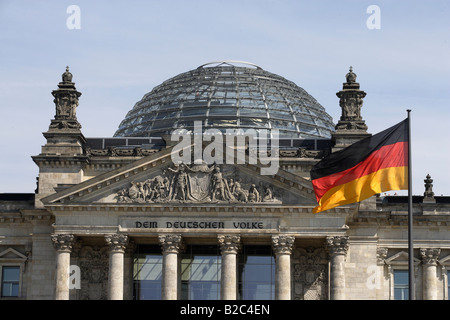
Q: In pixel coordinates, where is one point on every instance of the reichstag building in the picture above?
(204, 192)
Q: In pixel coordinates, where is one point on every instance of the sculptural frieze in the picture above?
(197, 183)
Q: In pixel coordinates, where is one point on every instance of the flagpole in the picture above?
(410, 218)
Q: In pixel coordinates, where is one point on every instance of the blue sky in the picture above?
(125, 48)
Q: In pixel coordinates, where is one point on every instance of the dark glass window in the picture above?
(222, 122)
(219, 110)
(147, 273)
(256, 270)
(200, 273)
(10, 281)
(401, 285)
(192, 112)
(254, 112)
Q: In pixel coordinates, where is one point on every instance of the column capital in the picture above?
(171, 243)
(63, 242)
(283, 244)
(116, 241)
(229, 243)
(337, 244)
(430, 256)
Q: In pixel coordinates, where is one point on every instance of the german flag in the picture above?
(373, 165)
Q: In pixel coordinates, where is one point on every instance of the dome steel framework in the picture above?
(228, 95)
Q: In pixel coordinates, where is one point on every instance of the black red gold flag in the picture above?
(373, 165)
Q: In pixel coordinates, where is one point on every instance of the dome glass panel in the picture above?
(228, 95)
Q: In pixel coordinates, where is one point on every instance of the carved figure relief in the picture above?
(93, 261)
(310, 274)
(66, 105)
(351, 104)
(196, 183)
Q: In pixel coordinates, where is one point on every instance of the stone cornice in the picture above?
(26, 215)
(75, 133)
(55, 161)
(187, 207)
(418, 243)
(400, 218)
(137, 152)
(289, 154)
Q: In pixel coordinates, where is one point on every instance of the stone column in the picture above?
(117, 244)
(171, 246)
(63, 244)
(128, 271)
(429, 269)
(337, 248)
(229, 247)
(282, 246)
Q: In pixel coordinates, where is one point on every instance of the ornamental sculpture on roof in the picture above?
(197, 183)
(351, 102)
(66, 103)
(67, 76)
(351, 76)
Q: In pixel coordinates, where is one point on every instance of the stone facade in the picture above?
(94, 206)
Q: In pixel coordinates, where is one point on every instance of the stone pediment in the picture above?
(12, 255)
(155, 179)
(400, 259)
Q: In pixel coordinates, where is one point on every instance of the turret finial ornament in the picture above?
(351, 76)
(67, 76)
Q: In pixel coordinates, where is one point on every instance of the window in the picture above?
(401, 285)
(201, 273)
(147, 273)
(10, 281)
(256, 273)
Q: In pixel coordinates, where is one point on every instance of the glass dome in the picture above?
(228, 95)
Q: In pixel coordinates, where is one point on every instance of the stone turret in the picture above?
(351, 127)
(62, 158)
(66, 102)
